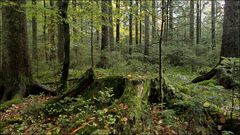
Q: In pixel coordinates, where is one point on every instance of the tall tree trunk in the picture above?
(92, 62)
(104, 42)
(97, 30)
(153, 20)
(18, 73)
(118, 24)
(231, 29)
(136, 23)
(66, 37)
(60, 43)
(1, 45)
(140, 25)
(213, 13)
(130, 28)
(52, 34)
(191, 30)
(146, 22)
(44, 30)
(170, 19)
(111, 37)
(34, 33)
(198, 21)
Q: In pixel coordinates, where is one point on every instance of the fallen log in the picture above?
(226, 72)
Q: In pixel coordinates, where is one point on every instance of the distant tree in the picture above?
(136, 23)
(34, 33)
(198, 22)
(213, 16)
(170, 18)
(60, 29)
(146, 22)
(104, 42)
(51, 32)
(140, 24)
(153, 20)
(118, 24)
(17, 72)
(130, 28)
(63, 6)
(44, 30)
(191, 29)
(231, 29)
(110, 14)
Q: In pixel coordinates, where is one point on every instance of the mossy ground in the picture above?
(195, 108)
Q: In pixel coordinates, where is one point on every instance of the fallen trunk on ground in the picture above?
(226, 73)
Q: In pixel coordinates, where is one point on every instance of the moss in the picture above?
(8, 104)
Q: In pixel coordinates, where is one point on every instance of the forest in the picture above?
(96, 67)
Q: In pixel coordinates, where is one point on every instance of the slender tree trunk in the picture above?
(153, 20)
(140, 24)
(18, 71)
(97, 30)
(66, 35)
(44, 30)
(118, 24)
(111, 37)
(60, 43)
(104, 42)
(170, 19)
(74, 3)
(213, 24)
(136, 23)
(191, 30)
(52, 34)
(130, 28)
(34, 33)
(198, 23)
(92, 62)
(160, 51)
(146, 22)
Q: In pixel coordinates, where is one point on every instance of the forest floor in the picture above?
(203, 108)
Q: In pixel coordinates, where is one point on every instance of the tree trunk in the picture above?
(153, 20)
(213, 23)
(66, 42)
(146, 22)
(104, 43)
(44, 31)
(198, 21)
(130, 28)
(136, 23)
(118, 24)
(191, 30)
(231, 29)
(140, 25)
(170, 19)
(34, 33)
(52, 34)
(60, 43)
(18, 73)
(111, 37)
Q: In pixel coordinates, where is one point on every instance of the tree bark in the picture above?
(66, 41)
(146, 22)
(18, 71)
(34, 33)
(44, 31)
(191, 30)
(130, 28)
(52, 34)
(104, 42)
(136, 23)
(118, 24)
(213, 13)
(111, 37)
(153, 20)
(198, 21)
(60, 43)
(231, 29)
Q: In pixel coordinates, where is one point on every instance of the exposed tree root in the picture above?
(224, 72)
